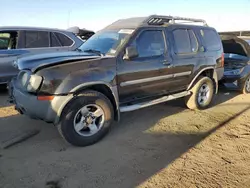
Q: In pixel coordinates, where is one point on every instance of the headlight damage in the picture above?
(29, 81)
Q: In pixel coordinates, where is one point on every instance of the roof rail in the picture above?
(160, 20)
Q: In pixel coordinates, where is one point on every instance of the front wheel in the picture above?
(86, 119)
(202, 94)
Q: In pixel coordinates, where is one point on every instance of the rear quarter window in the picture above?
(64, 40)
(211, 39)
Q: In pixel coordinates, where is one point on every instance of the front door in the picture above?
(142, 76)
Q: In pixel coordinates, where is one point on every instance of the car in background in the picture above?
(237, 63)
(21, 41)
(245, 35)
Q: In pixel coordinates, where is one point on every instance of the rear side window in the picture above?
(211, 39)
(4, 41)
(36, 39)
(54, 41)
(185, 41)
(64, 40)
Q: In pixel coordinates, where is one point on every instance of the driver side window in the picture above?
(150, 43)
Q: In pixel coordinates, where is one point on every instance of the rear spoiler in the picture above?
(84, 34)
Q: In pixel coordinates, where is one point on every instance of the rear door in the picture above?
(186, 55)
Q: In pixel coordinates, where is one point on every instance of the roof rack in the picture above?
(160, 20)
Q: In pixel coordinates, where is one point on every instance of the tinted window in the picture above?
(54, 41)
(150, 43)
(4, 41)
(193, 40)
(211, 39)
(185, 41)
(36, 39)
(64, 40)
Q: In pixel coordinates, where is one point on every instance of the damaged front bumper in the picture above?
(28, 104)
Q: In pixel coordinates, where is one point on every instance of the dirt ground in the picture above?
(165, 145)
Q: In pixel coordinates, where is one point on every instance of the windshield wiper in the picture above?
(94, 51)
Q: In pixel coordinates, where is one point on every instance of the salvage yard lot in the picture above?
(165, 145)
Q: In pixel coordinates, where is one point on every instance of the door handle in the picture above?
(167, 64)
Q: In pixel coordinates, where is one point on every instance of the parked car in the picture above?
(19, 41)
(237, 63)
(131, 64)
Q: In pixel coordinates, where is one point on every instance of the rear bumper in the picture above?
(28, 104)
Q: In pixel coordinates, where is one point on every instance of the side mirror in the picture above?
(130, 53)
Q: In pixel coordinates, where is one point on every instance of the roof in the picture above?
(31, 28)
(75, 30)
(126, 23)
(153, 20)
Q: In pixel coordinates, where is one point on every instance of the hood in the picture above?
(234, 45)
(34, 62)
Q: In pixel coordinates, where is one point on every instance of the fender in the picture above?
(113, 89)
(71, 95)
(215, 78)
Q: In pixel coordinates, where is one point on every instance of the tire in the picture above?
(245, 88)
(192, 101)
(75, 110)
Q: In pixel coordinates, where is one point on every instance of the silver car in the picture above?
(21, 41)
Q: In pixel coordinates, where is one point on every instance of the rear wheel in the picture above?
(202, 94)
(86, 119)
(245, 89)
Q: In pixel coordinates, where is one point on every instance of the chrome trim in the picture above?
(182, 74)
(139, 81)
(153, 102)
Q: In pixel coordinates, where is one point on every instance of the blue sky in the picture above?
(96, 14)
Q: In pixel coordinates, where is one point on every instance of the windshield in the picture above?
(106, 42)
(248, 41)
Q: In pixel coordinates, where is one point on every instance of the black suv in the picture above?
(131, 64)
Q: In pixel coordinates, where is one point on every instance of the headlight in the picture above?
(233, 72)
(29, 81)
(34, 83)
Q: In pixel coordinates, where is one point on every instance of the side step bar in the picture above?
(153, 102)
